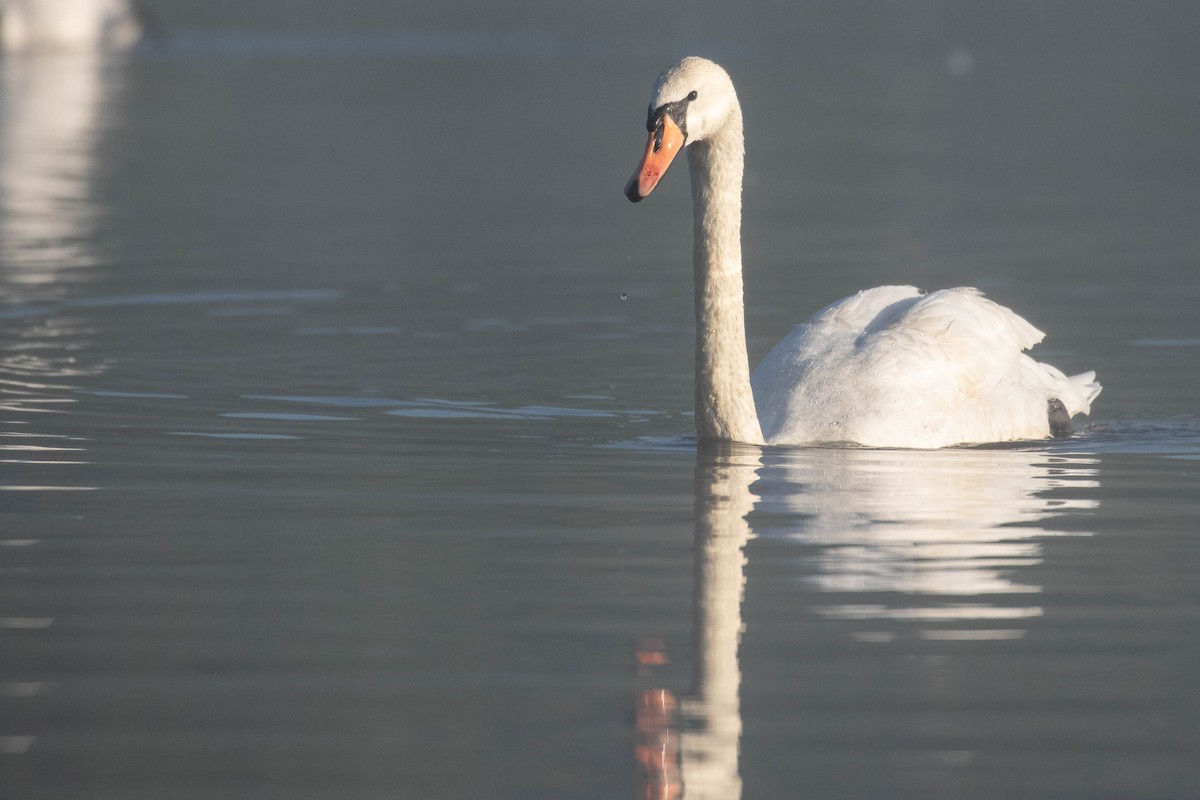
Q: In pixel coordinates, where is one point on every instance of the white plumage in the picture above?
(888, 367)
(897, 368)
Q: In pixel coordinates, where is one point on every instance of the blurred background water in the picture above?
(345, 410)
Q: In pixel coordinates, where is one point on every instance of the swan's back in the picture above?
(893, 367)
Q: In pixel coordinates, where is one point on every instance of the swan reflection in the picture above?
(50, 111)
(53, 107)
(697, 754)
(926, 537)
(939, 544)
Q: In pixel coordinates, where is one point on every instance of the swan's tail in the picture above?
(1080, 391)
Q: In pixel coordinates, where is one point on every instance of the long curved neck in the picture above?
(724, 402)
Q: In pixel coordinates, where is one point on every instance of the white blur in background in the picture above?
(27, 25)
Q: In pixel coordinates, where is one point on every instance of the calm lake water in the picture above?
(345, 435)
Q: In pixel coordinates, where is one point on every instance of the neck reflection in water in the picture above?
(702, 758)
(892, 543)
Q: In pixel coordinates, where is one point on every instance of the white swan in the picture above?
(888, 367)
(68, 25)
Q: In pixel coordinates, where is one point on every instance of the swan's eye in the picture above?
(692, 95)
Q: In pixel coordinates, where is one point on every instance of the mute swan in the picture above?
(888, 367)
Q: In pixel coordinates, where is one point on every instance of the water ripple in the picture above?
(284, 417)
(175, 298)
(228, 435)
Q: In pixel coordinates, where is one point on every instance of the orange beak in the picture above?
(665, 143)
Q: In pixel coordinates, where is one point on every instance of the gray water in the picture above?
(346, 438)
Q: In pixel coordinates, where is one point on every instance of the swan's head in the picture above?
(691, 100)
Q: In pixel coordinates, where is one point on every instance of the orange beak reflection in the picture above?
(661, 149)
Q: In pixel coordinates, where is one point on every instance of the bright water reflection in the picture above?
(50, 112)
(945, 531)
(895, 539)
(53, 107)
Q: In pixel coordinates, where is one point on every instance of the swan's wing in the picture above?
(893, 367)
(799, 384)
(986, 342)
(869, 307)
